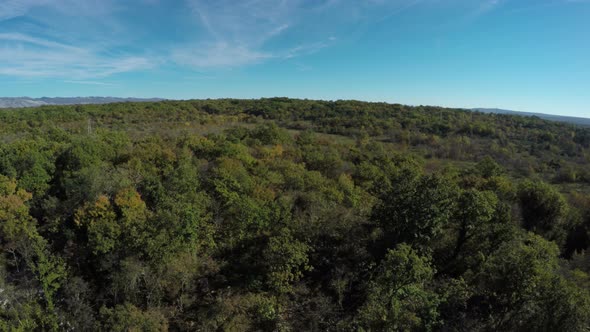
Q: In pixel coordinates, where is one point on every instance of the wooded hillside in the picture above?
(291, 215)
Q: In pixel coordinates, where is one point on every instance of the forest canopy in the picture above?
(291, 215)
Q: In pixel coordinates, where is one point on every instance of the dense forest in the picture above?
(291, 215)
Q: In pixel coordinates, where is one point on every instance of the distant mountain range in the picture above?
(15, 102)
(559, 118)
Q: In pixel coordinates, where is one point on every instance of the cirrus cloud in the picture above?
(82, 39)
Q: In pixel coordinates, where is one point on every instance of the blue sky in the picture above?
(526, 55)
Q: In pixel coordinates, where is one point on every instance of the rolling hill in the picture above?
(551, 117)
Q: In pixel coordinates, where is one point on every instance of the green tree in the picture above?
(488, 168)
(130, 318)
(474, 209)
(416, 209)
(544, 210)
(521, 289)
(29, 251)
(286, 260)
(99, 220)
(399, 298)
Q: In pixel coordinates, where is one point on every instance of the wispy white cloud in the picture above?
(25, 39)
(89, 83)
(224, 55)
(56, 49)
(246, 22)
(216, 55)
(239, 32)
(487, 5)
(25, 56)
(306, 49)
(527, 7)
(15, 8)
(85, 39)
(472, 11)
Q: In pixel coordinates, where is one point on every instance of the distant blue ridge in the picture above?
(18, 102)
